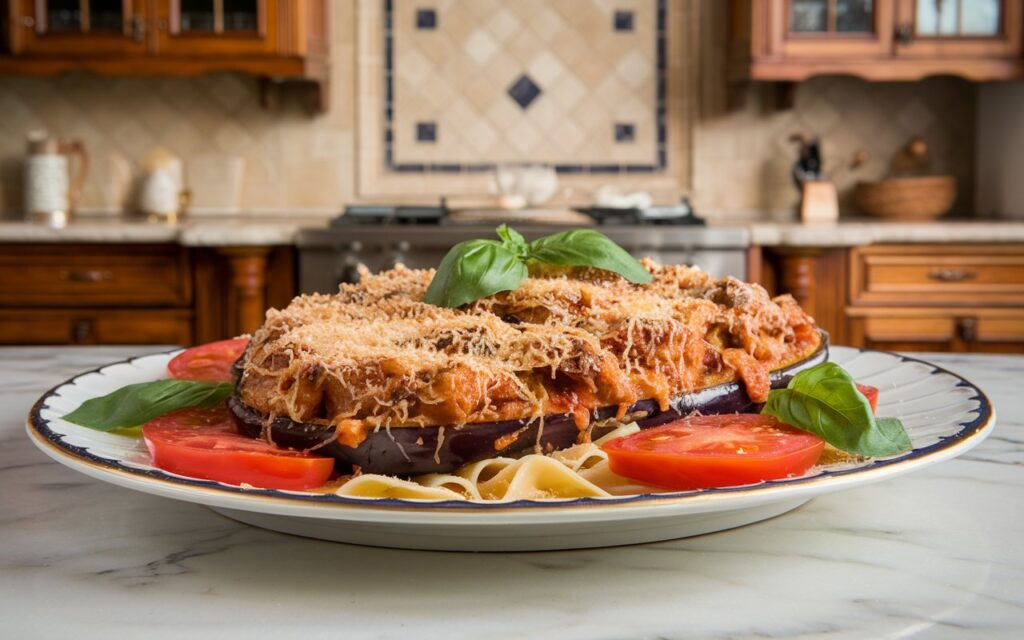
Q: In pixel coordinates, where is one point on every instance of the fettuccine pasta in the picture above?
(581, 471)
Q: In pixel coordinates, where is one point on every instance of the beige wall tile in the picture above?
(733, 163)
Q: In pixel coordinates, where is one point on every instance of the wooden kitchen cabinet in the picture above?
(217, 27)
(792, 40)
(69, 27)
(138, 294)
(280, 39)
(948, 297)
(95, 294)
(93, 275)
(975, 329)
(929, 275)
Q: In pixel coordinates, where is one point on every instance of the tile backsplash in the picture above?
(605, 90)
(743, 158)
(570, 83)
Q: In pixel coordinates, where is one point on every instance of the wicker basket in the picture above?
(918, 198)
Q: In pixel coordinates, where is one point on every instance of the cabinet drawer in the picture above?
(91, 275)
(930, 275)
(95, 326)
(933, 329)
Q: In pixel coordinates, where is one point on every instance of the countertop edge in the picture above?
(261, 231)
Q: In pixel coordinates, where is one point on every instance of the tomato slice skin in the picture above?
(208, 362)
(871, 393)
(714, 451)
(203, 443)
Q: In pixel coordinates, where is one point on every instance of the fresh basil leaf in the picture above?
(512, 240)
(824, 401)
(892, 430)
(587, 248)
(139, 403)
(472, 270)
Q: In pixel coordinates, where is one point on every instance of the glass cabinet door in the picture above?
(831, 16)
(965, 28)
(831, 28)
(78, 26)
(217, 26)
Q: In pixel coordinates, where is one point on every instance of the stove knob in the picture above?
(398, 251)
(348, 274)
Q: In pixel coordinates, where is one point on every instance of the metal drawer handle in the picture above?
(92, 275)
(952, 275)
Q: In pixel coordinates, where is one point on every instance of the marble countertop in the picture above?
(195, 232)
(262, 230)
(855, 233)
(934, 554)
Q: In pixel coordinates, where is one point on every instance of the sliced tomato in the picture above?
(714, 451)
(871, 393)
(203, 443)
(211, 361)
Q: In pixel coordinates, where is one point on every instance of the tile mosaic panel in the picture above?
(577, 84)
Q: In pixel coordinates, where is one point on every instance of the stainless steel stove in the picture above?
(419, 237)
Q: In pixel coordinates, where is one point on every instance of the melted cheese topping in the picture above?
(567, 341)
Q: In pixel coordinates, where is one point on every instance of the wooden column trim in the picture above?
(797, 275)
(248, 283)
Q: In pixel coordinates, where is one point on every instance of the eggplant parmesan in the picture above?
(390, 384)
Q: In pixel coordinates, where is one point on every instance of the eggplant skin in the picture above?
(408, 451)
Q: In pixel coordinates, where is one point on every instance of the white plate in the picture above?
(944, 415)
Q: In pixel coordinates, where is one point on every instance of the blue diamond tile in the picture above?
(426, 19)
(625, 132)
(623, 21)
(426, 132)
(524, 91)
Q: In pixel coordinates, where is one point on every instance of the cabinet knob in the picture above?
(28, 21)
(138, 29)
(82, 331)
(349, 274)
(967, 328)
(904, 33)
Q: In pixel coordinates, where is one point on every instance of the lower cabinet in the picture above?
(949, 297)
(96, 326)
(138, 294)
(938, 329)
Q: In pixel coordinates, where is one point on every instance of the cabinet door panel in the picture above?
(959, 28)
(68, 27)
(826, 29)
(74, 275)
(938, 329)
(224, 27)
(96, 326)
(937, 274)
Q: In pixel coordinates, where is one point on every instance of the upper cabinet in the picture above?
(977, 29)
(72, 27)
(878, 39)
(197, 27)
(281, 39)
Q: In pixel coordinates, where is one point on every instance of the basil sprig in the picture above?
(475, 269)
(139, 403)
(824, 401)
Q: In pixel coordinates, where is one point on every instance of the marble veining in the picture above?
(933, 554)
